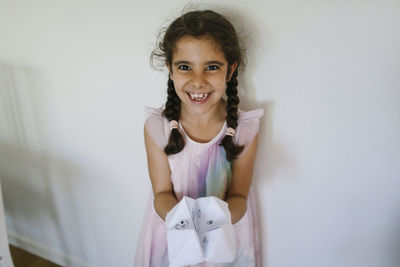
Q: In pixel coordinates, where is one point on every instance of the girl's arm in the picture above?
(242, 173)
(157, 162)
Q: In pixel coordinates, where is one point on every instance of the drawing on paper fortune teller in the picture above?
(200, 230)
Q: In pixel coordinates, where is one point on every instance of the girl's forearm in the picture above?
(237, 205)
(164, 202)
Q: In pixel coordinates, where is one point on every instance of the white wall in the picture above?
(74, 78)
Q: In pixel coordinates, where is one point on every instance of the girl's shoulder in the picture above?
(248, 126)
(157, 125)
(153, 112)
(250, 116)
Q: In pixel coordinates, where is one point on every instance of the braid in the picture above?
(172, 111)
(232, 150)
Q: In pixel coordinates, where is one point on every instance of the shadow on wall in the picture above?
(40, 206)
(272, 156)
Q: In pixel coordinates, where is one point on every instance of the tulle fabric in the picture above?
(200, 169)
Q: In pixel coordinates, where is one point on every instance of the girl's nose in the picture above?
(198, 79)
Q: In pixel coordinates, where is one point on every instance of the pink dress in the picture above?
(200, 169)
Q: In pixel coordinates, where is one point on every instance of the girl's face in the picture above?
(199, 72)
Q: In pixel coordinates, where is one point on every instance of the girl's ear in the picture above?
(231, 70)
(170, 71)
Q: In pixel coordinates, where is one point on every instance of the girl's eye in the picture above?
(183, 67)
(213, 67)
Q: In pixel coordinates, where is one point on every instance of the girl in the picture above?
(200, 144)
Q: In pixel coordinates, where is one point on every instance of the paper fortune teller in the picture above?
(200, 230)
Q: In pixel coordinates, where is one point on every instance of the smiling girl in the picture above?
(200, 144)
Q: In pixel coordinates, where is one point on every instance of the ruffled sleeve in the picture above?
(157, 126)
(248, 125)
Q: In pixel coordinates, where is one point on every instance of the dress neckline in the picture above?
(213, 140)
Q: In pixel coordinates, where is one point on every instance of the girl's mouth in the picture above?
(199, 98)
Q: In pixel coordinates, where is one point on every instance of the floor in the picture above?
(22, 258)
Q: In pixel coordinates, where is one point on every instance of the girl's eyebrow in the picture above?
(176, 63)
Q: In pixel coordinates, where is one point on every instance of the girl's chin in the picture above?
(200, 109)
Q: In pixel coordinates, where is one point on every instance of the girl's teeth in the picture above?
(198, 96)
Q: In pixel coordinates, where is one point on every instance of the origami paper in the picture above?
(200, 230)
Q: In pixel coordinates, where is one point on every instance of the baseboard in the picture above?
(44, 251)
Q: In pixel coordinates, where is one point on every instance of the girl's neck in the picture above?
(215, 115)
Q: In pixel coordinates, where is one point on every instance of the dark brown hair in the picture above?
(198, 24)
